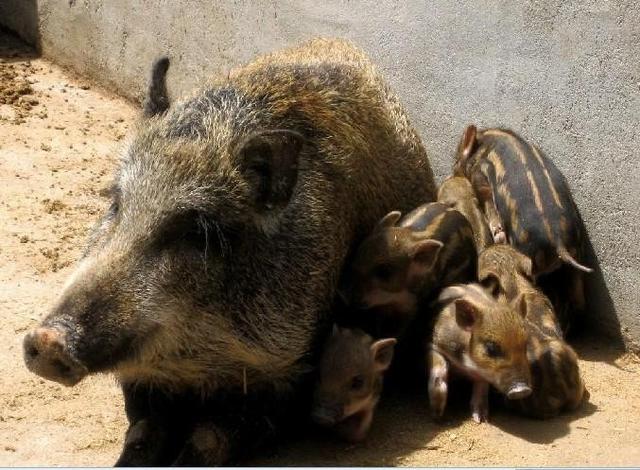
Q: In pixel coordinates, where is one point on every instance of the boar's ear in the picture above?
(269, 161)
(389, 220)
(157, 99)
(425, 253)
(382, 352)
(468, 141)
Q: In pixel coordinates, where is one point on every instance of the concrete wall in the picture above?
(566, 74)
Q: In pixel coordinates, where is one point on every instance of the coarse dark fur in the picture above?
(233, 211)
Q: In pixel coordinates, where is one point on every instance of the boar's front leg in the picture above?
(480, 401)
(144, 444)
(438, 376)
(155, 434)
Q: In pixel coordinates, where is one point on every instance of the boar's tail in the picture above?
(567, 258)
(157, 99)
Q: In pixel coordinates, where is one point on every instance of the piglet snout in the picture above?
(518, 390)
(326, 416)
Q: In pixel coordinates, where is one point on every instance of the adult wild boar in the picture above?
(215, 266)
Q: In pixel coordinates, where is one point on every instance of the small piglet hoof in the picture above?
(480, 416)
(499, 236)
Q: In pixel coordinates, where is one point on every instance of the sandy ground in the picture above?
(59, 141)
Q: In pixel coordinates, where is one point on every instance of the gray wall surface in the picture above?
(565, 74)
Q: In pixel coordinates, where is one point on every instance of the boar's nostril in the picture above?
(32, 352)
(46, 355)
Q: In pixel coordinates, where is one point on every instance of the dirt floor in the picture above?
(59, 142)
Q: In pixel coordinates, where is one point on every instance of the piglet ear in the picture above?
(269, 162)
(389, 220)
(425, 252)
(467, 300)
(489, 277)
(467, 314)
(382, 352)
(468, 141)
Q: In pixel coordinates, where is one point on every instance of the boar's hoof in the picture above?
(145, 445)
(46, 354)
(206, 446)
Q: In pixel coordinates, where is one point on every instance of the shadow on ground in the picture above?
(601, 314)
(538, 431)
(13, 49)
(403, 426)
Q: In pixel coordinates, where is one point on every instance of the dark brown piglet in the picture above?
(485, 340)
(525, 196)
(350, 380)
(404, 262)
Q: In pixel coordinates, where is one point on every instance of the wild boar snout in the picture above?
(46, 354)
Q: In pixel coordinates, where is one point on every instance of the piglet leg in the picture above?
(480, 401)
(438, 377)
(495, 224)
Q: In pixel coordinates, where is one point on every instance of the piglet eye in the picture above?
(357, 382)
(382, 272)
(493, 349)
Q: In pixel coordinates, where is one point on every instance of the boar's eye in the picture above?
(383, 272)
(357, 383)
(189, 228)
(493, 349)
(114, 193)
(114, 208)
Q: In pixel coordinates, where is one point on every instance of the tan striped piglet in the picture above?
(556, 381)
